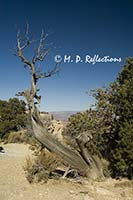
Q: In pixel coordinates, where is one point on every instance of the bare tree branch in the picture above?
(21, 47)
(22, 43)
(41, 52)
(47, 74)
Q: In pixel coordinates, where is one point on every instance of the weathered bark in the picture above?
(85, 163)
(94, 163)
(82, 161)
(52, 144)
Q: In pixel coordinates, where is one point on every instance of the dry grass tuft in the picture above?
(42, 168)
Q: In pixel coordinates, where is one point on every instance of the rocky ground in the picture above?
(14, 186)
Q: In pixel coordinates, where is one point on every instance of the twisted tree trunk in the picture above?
(86, 164)
(52, 144)
(83, 161)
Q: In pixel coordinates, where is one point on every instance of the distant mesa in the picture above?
(62, 115)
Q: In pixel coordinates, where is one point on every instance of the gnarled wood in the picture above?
(82, 161)
(93, 161)
(52, 144)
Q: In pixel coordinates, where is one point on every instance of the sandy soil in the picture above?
(14, 186)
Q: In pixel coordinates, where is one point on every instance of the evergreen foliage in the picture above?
(12, 116)
(110, 123)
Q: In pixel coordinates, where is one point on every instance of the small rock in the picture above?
(71, 192)
(2, 149)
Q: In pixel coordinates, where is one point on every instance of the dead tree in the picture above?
(82, 160)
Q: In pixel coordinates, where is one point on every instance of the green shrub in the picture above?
(18, 137)
(12, 116)
(110, 123)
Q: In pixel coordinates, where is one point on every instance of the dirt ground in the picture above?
(14, 186)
